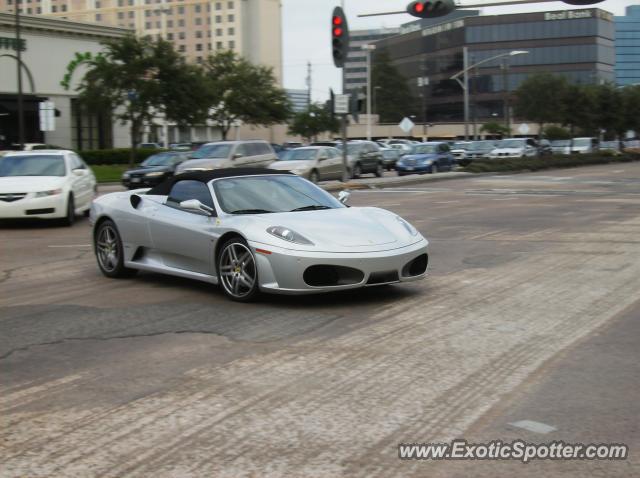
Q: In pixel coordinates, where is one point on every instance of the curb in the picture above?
(393, 182)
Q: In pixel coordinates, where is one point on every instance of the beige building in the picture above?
(252, 28)
(47, 46)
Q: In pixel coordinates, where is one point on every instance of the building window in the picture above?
(218, 6)
(120, 15)
(198, 46)
(232, 45)
(219, 45)
(230, 5)
(54, 9)
(231, 18)
(147, 13)
(169, 36)
(169, 23)
(198, 33)
(28, 11)
(130, 3)
(158, 25)
(181, 35)
(197, 8)
(182, 48)
(39, 10)
(198, 21)
(232, 31)
(121, 3)
(219, 32)
(181, 10)
(132, 14)
(181, 22)
(64, 8)
(218, 18)
(98, 4)
(98, 17)
(147, 26)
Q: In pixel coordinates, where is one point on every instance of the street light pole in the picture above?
(465, 82)
(19, 63)
(506, 105)
(368, 48)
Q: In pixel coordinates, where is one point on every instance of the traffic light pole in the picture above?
(345, 158)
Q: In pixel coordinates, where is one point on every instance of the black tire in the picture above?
(70, 218)
(314, 177)
(237, 270)
(107, 246)
(379, 170)
(357, 171)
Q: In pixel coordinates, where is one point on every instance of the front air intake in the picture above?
(331, 276)
(416, 267)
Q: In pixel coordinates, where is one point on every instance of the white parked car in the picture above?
(584, 145)
(46, 184)
(515, 148)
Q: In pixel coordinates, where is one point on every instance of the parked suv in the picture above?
(230, 154)
(364, 157)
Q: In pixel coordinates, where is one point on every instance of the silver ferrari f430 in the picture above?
(253, 230)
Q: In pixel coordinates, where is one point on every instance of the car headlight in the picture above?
(410, 229)
(53, 192)
(288, 235)
(155, 174)
(427, 162)
(125, 175)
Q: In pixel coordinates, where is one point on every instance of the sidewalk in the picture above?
(390, 179)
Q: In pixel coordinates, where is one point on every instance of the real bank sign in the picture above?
(568, 15)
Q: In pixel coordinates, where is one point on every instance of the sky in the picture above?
(306, 33)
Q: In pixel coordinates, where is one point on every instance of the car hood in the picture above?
(508, 150)
(30, 184)
(151, 169)
(290, 165)
(420, 157)
(338, 230)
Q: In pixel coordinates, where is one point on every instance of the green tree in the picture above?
(309, 124)
(578, 110)
(393, 100)
(553, 132)
(137, 78)
(243, 92)
(631, 108)
(539, 98)
(494, 128)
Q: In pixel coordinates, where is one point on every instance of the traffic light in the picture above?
(431, 8)
(339, 37)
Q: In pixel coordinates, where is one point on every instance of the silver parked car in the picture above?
(230, 154)
(253, 230)
(315, 163)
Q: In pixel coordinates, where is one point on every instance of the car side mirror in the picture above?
(193, 205)
(79, 172)
(344, 196)
(236, 156)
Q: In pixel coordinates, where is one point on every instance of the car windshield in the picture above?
(482, 145)
(300, 154)
(32, 165)
(162, 159)
(212, 151)
(461, 146)
(561, 143)
(271, 194)
(425, 149)
(511, 143)
(581, 143)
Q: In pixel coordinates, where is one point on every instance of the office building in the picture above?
(299, 100)
(578, 44)
(628, 47)
(252, 28)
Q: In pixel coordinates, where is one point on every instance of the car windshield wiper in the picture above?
(314, 207)
(252, 211)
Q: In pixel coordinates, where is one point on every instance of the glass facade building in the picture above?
(578, 44)
(628, 47)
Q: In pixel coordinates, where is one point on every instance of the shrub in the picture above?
(115, 156)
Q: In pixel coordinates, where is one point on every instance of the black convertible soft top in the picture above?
(163, 189)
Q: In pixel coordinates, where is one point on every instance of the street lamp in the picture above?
(465, 81)
(368, 48)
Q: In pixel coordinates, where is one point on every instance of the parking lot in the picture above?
(530, 313)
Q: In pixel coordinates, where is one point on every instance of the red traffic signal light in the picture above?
(339, 37)
(431, 8)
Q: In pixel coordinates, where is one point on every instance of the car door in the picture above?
(81, 183)
(335, 163)
(183, 239)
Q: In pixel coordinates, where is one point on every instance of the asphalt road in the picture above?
(530, 313)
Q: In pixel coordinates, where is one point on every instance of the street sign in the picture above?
(524, 128)
(47, 116)
(406, 125)
(341, 106)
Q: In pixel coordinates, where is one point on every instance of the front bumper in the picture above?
(418, 168)
(282, 271)
(31, 207)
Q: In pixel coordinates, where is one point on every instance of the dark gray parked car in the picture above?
(364, 157)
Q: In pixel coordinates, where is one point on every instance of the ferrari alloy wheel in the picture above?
(237, 270)
(108, 248)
